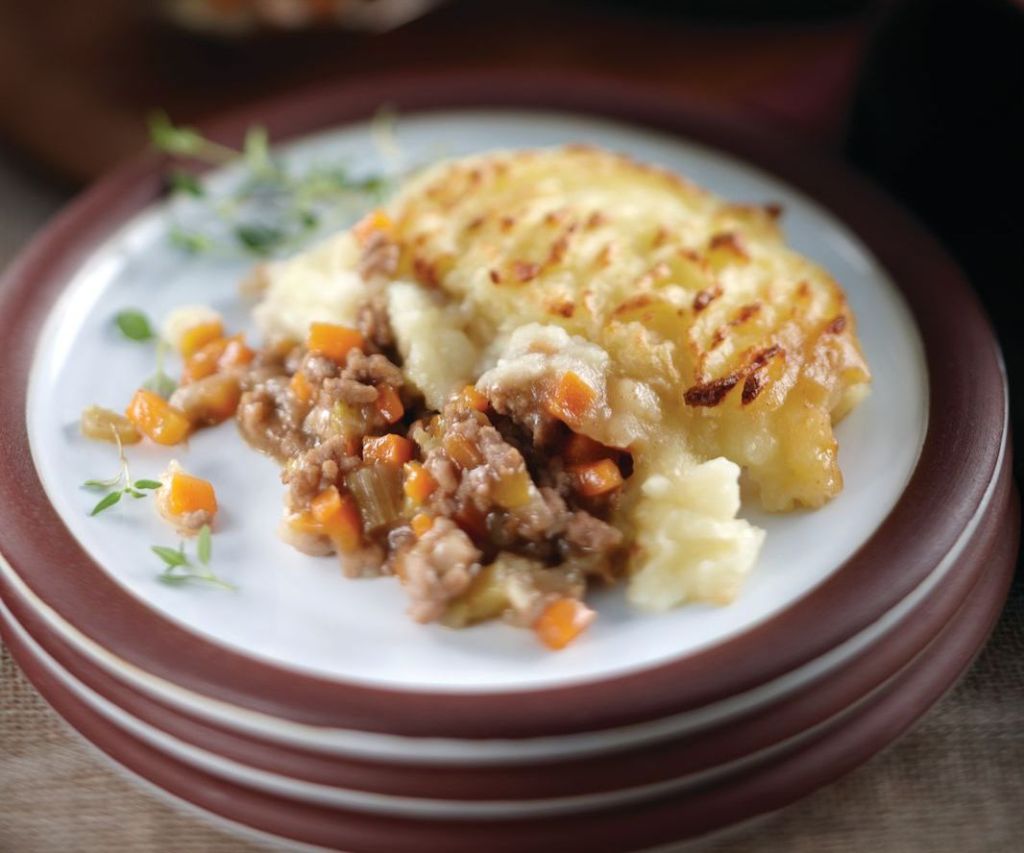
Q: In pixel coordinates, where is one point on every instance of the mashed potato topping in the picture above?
(321, 283)
(710, 347)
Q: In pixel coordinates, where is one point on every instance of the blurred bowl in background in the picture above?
(234, 18)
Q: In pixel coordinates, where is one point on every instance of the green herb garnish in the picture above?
(189, 241)
(270, 210)
(179, 568)
(185, 182)
(186, 141)
(119, 485)
(134, 325)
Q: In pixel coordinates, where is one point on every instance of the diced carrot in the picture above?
(204, 362)
(338, 517)
(470, 398)
(375, 220)
(421, 523)
(596, 478)
(389, 404)
(301, 387)
(562, 621)
(221, 399)
(303, 522)
(333, 341)
(581, 448)
(326, 504)
(186, 494)
(197, 336)
(154, 417)
(571, 398)
(390, 449)
(236, 353)
(462, 451)
(419, 482)
(210, 400)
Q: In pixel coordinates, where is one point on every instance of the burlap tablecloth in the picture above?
(955, 783)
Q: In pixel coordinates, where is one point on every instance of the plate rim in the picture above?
(967, 400)
(692, 755)
(404, 750)
(668, 819)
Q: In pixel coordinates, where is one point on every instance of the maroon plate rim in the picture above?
(993, 544)
(957, 463)
(689, 814)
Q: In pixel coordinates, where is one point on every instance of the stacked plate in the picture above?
(303, 705)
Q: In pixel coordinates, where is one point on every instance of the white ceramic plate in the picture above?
(299, 611)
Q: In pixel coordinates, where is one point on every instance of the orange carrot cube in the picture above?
(338, 517)
(421, 523)
(333, 341)
(419, 482)
(204, 362)
(154, 417)
(562, 621)
(235, 354)
(389, 404)
(462, 451)
(197, 336)
(187, 494)
(470, 398)
(375, 220)
(596, 478)
(388, 449)
(303, 522)
(301, 387)
(581, 448)
(571, 398)
(211, 400)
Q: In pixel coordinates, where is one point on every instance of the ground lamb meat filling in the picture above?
(270, 418)
(373, 321)
(317, 469)
(499, 531)
(437, 569)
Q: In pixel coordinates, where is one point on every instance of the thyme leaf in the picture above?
(179, 568)
(171, 556)
(107, 501)
(134, 325)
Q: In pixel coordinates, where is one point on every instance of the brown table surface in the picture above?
(954, 783)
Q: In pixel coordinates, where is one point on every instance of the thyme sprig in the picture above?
(271, 209)
(119, 485)
(180, 569)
